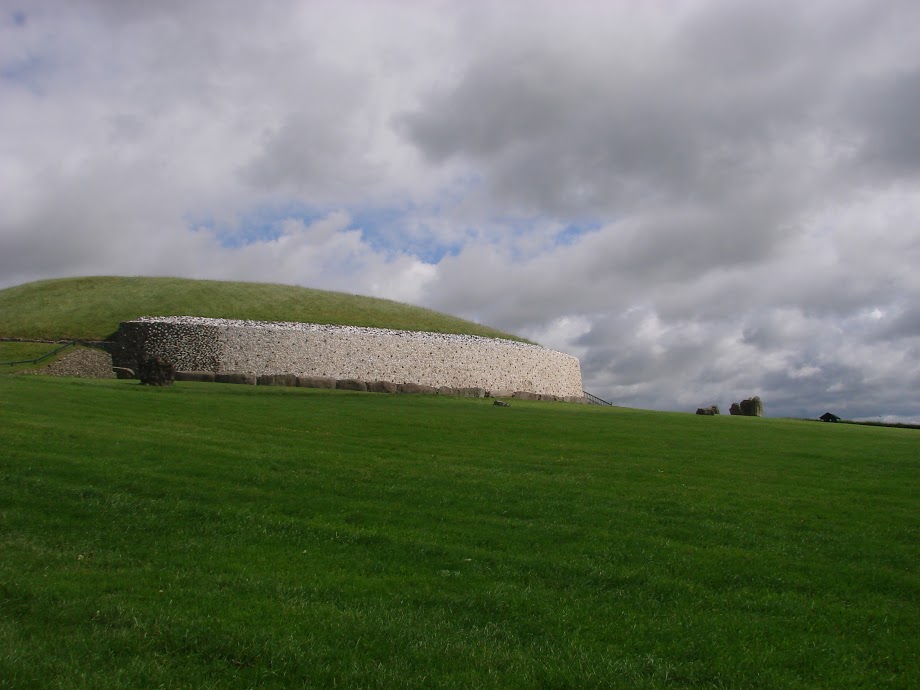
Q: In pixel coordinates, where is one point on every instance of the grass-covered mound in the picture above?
(92, 308)
(243, 536)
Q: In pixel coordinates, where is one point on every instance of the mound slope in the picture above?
(91, 308)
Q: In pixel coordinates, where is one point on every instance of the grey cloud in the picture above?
(747, 169)
(886, 113)
(565, 131)
(904, 324)
(782, 327)
(306, 155)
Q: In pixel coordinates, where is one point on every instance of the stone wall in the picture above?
(349, 352)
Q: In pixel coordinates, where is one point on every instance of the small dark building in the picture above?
(828, 417)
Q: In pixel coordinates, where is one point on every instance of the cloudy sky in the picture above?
(701, 199)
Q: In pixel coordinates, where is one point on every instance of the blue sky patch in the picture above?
(573, 232)
(261, 224)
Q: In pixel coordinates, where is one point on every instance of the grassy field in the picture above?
(206, 536)
(92, 308)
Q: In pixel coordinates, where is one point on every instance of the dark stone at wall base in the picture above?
(448, 390)
(382, 387)
(316, 382)
(200, 376)
(500, 394)
(471, 392)
(524, 395)
(277, 380)
(236, 377)
(350, 385)
(415, 388)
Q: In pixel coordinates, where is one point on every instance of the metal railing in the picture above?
(44, 356)
(594, 400)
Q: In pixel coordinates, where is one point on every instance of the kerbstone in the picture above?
(316, 382)
(199, 376)
(235, 377)
(472, 392)
(382, 387)
(415, 388)
(277, 380)
(350, 385)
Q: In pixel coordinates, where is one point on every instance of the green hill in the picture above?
(91, 308)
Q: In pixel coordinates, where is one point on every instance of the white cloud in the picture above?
(702, 201)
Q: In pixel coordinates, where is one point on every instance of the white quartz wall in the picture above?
(366, 354)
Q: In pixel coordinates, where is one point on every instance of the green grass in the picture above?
(211, 535)
(22, 352)
(92, 308)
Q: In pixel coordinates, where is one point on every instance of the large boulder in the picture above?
(316, 382)
(751, 407)
(471, 392)
(415, 388)
(382, 387)
(277, 380)
(350, 385)
(708, 411)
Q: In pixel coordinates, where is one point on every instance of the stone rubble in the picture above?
(83, 363)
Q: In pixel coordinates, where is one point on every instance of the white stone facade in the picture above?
(350, 352)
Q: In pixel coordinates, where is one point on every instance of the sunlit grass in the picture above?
(212, 535)
(92, 308)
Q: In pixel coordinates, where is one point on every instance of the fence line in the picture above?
(594, 400)
(39, 359)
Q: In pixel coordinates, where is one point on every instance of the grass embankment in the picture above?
(92, 308)
(24, 352)
(220, 536)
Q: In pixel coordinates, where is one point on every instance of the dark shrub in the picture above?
(156, 371)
